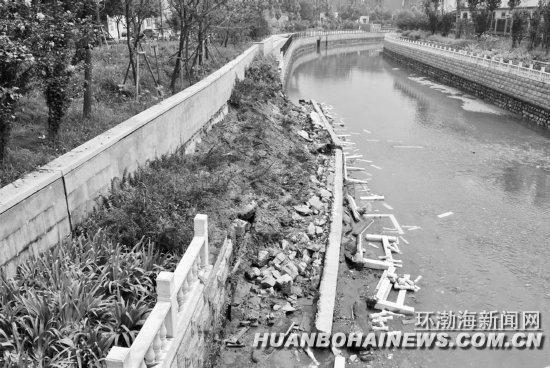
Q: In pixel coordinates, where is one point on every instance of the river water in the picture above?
(435, 150)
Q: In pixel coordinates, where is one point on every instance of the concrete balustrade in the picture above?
(177, 294)
(514, 87)
(526, 71)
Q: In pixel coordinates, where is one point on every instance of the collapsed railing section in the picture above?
(493, 63)
(176, 294)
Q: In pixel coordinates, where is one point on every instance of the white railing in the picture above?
(492, 63)
(175, 299)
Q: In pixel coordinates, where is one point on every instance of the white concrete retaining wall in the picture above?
(39, 210)
(331, 43)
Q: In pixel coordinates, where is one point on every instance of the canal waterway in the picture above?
(436, 150)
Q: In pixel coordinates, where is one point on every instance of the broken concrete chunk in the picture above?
(311, 229)
(303, 134)
(320, 222)
(318, 230)
(314, 247)
(324, 194)
(253, 273)
(287, 308)
(285, 279)
(247, 212)
(284, 244)
(280, 259)
(302, 267)
(290, 269)
(316, 203)
(297, 217)
(296, 290)
(263, 258)
(240, 226)
(303, 210)
(315, 118)
(268, 282)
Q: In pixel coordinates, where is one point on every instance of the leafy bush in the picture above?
(70, 305)
(446, 23)
(408, 20)
(519, 23)
(261, 82)
(297, 26)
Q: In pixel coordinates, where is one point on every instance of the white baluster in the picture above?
(181, 298)
(157, 344)
(163, 332)
(150, 356)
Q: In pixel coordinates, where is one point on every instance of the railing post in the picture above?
(166, 293)
(118, 357)
(201, 229)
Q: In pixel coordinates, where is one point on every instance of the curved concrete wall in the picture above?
(304, 49)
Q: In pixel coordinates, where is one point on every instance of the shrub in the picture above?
(519, 21)
(70, 305)
(446, 23)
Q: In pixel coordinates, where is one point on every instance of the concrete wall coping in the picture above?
(20, 189)
(542, 75)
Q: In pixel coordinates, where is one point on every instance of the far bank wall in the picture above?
(523, 96)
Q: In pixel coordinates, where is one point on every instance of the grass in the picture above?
(72, 304)
(29, 149)
(488, 46)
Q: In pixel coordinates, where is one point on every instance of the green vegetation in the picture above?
(28, 148)
(524, 26)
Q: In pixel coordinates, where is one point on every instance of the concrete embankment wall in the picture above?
(40, 210)
(527, 95)
(305, 49)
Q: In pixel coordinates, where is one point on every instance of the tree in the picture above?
(135, 12)
(546, 27)
(16, 63)
(430, 9)
(491, 6)
(512, 4)
(519, 20)
(58, 31)
(115, 10)
(307, 10)
(535, 28)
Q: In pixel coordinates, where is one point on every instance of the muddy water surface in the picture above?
(436, 150)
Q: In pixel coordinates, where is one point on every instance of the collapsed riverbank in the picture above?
(264, 166)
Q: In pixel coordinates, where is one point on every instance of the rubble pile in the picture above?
(276, 278)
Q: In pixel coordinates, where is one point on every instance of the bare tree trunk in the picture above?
(87, 108)
(128, 15)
